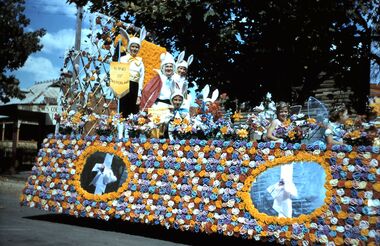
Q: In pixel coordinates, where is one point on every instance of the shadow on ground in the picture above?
(149, 231)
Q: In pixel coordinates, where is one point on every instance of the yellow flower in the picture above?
(291, 135)
(224, 130)
(188, 129)
(185, 121)
(237, 116)
(141, 120)
(242, 133)
(156, 119)
(311, 121)
(286, 123)
(177, 121)
(376, 187)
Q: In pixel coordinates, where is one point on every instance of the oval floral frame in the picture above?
(267, 219)
(79, 164)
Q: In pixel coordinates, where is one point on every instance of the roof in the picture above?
(45, 92)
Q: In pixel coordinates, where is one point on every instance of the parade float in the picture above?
(211, 177)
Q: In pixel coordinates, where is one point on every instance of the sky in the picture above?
(58, 18)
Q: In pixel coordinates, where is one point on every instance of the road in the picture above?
(31, 226)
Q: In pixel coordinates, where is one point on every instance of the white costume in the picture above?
(104, 175)
(167, 82)
(136, 74)
(283, 191)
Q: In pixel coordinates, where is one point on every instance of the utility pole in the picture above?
(78, 34)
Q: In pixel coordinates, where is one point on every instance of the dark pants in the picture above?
(128, 102)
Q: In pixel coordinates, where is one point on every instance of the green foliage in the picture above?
(249, 47)
(16, 45)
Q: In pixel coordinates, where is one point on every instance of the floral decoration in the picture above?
(199, 185)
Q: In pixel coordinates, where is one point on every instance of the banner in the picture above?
(119, 78)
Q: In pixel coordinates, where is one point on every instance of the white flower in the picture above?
(351, 168)
(235, 211)
(368, 194)
(195, 180)
(340, 192)
(231, 203)
(341, 155)
(357, 216)
(363, 225)
(289, 153)
(373, 163)
(266, 151)
(323, 239)
(334, 220)
(346, 161)
(372, 233)
(345, 200)
(170, 203)
(334, 182)
(211, 208)
(340, 228)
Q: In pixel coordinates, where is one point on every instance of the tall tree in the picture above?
(16, 45)
(248, 47)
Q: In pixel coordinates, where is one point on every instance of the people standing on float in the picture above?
(129, 103)
(278, 127)
(335, 129)
(156, 93)
(180, 76)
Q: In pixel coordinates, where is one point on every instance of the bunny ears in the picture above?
(206, 90)
(181, 62)
(133, 40)
(166, 58)
(176, 90)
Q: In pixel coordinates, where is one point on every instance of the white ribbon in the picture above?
(104, 175)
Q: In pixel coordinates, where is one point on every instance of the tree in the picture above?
(280, 46)
(16, 45)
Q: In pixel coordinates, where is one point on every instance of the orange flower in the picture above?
(237, 116)
(311, 121)
(224, 130)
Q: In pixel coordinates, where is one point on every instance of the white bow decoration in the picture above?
(104, 175)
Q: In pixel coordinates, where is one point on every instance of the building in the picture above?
(25, 122)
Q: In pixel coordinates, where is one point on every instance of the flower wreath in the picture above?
(80, 163)
(267, 219)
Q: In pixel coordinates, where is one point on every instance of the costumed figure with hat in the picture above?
(156, 93)
(180, 77)
(129, 102)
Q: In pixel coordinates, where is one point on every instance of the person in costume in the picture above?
(156, 93)
(129, 103)
(278, 127)
(180, 76)
(335, 128)
(283, 191)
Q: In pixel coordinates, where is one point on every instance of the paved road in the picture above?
(31, 226)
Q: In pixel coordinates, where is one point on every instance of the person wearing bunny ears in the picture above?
(177, 98)
(180, 77)
(208, 100)
(129, 103)
(156, 93)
